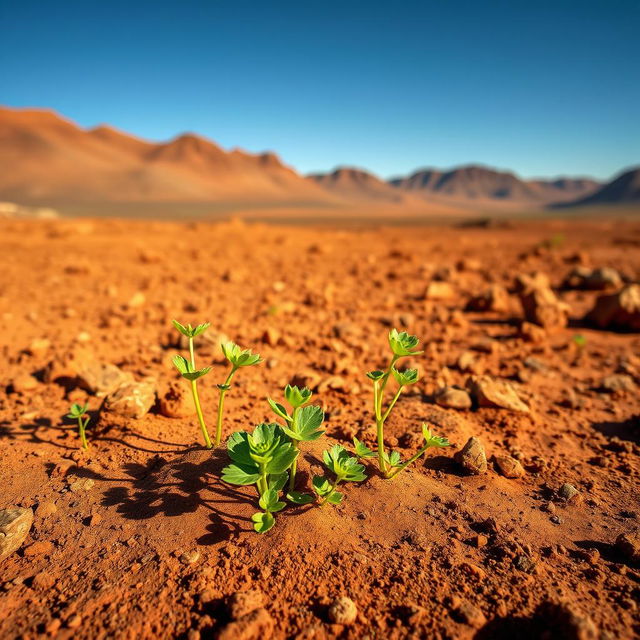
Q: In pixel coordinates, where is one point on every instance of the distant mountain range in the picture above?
(49, 161)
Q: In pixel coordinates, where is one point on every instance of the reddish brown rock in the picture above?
(257, 625)
(495, 298)
(619, 310)
(540, 304)
(508, 467)
(472, 457)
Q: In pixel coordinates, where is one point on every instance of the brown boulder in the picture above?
(619, 310)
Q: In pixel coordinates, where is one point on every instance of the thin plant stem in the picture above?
(402, 467)
(223, 390)
(81, 431)
(296, 445)
(196, 399)
(393, 402)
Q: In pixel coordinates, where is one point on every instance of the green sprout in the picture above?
(580, 341)
(402, 345)
(77, 412)
(238, 358)
(346, 469)
(261, 458)
(188, 371)
(302, 425)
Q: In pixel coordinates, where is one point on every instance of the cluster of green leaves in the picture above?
(262, 458)
(303, 424)
(78, 412)
(402, 345)
(345, 467)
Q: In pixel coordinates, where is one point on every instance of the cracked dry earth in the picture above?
(139, 538)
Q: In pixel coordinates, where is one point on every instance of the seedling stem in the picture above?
(223, 390)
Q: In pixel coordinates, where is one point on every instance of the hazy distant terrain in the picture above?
(49, 161)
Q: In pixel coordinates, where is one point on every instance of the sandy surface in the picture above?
(433, 553)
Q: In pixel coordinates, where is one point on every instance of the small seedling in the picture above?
(187, 369)
(402, 345)
(262, 458)
(302, 425)
(346, 469)
(238, 358)
(78, 412)
(580, 341)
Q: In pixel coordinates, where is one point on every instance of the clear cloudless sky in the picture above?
(543, 88)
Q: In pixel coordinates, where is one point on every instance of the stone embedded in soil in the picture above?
(453, 398)
(439, 291)
(469, 614)
(257, 625)
(567, 491)
(495, 298)
(491, 392)
(24, 383)
(39, 347)
(43, 581)
(620, 310)
(271, 336)
(508, 467)
(564, 620)
(15, 523)
(592, 279)
(540, 304)
(617, 382)
(242, 603)
(189, 557)
(343, 610)
(176, 400)
(629, 545)
(132, 400)
(45, 509)
(532, 333)
(472, 457)
(40, 548)
(97, 377)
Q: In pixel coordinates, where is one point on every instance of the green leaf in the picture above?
(403, 344)
(282, 458)
(279, 410)
(224, 387)
(404, 378)
(321, 485)
(269, 501)
(201, 328)
(394, 459)
(298, 497)
(432, 440)
(182, 329)
(335, 498)
(235, 474)
(362, 451)
(308, 424)
(182, 364)
(239, 449)
(194, 375)
(239, 357)
(375, 375)
(77, 410)
(297, 397)
(262, 522)
(277, 481)
(346, 467)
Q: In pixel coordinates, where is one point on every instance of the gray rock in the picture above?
(617, 382)
(15, 523)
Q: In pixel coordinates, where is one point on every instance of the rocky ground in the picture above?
(526, 527)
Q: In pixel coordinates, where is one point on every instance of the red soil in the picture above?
(433, 553)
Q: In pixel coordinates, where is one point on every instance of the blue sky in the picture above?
(542, 88)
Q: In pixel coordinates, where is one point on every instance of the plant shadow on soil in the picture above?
(626, 430)
(178, 487)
